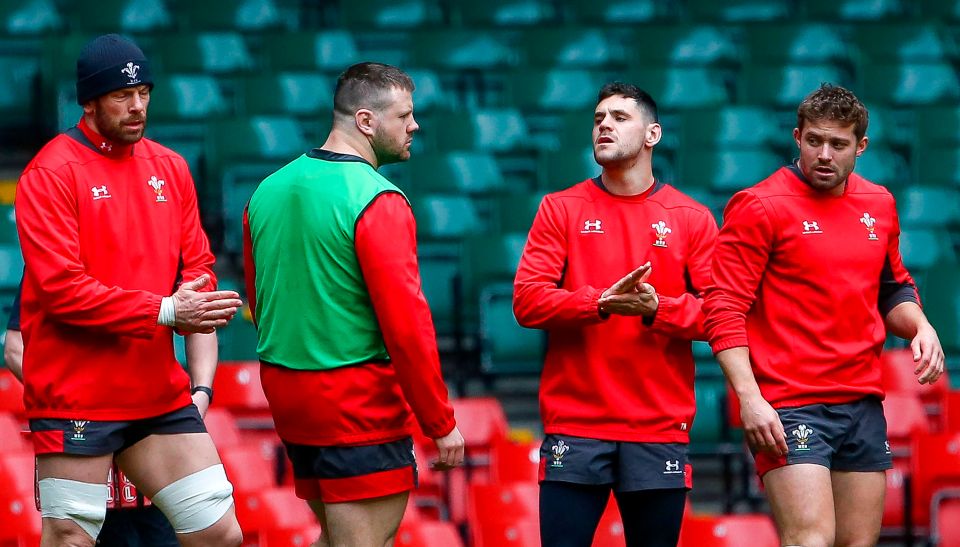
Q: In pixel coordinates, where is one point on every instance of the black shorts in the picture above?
(843, 437)
(625, 466)
(334, 474)
(98, 438)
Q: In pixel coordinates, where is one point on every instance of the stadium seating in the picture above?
(504, 515)
(206, 52)
(898, 377)
(391, 14)
(503, 13)
(238, 389)
(129, 16)
(288, 521)
(796, 43)
(32, 17)
(506, 348)
(616, 12)
(244, 15)
(945, 528)
(935, 465)
(564, 47)
(11, 393)
(10, 432)
(427, 534)
(685, 45)
(855, 10)
(740, 10)
(729, 531)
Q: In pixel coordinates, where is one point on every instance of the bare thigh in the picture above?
(858, 503)
(89, 469)
(364, 523)
(801, 498)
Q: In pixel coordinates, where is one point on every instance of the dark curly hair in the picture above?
(834, 103)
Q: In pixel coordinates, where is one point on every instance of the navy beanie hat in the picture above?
(108, 63)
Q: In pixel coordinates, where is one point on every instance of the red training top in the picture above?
(804, 279)
(620, 378)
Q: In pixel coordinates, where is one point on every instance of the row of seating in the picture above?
(41, 17)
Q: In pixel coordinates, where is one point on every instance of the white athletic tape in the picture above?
(82, 502)
(196, 502)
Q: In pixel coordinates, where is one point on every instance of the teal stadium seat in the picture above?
(616, 12)
(928, 206)
(389, 14)
(8, 226)
(910, 84)
(258, 139)
(937, 126)
(127, 16)
(940, 294)
(187, 97)
(882, 165)
(456, 172)
(571, 47)
(854, 10)
(916, 42)
(488, 260)
(739, 11)
(504, 13)
(288, 93)
(926, 249)
(559, 89)
(735, 126)
(30, 17)
(940, 10)
(11, 266)
(18, 95)
(445, 216)
(491, 129)
(728, 171)
(206, 52)
(707, 429)
(437, 277)
(785, 86)
(684, 87)
(326, 51)
(685, 45)
(781, 44)
(937, 166)
(560, 170)
(460, 50)
(515, 212)
(243, 15)
(506, 348)
(429, 92)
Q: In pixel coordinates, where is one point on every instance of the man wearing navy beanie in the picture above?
(115, 261)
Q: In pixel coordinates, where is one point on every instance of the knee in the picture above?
(231, 536)
(63, 533)
(808, 539)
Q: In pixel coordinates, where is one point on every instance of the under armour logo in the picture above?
(106, 146)
(673, 467)
(100, 192)
(811, 227)
(591, 227)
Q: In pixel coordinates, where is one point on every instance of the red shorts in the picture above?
(335, 474)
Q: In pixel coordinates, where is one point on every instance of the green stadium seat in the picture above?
(119, 16)
(685, 45)
(565, 168)
(615, 12)
(854, 10)
(11, 266)
(267, 139)
(429, 92)
(243, 15)
(437, 279)
(506, 348)
(940, 10)
(68, 111)
(456, 172)
(504, 13)
(238, 340)
(781, 44)
(577, 47)
(940, 294)
(737, 11)
(329, 51)
(206, 52)
(903, 41)
(786, 86)
(460, 49)
(30, 17)
(18, 94)
(684, 87)
(493, 129)
(292, 93)
(8, 226)
(928, 206)
(881, 165)
(555, 89)
(486, 260)
(237, 185)
(893, 127)
(515, 212)
(728, 171)
(938, 166)
(910, 83)
(443, 216)
(708, 426)
(192, 97)
(735, 126)
(389, 14)
(926, 249)
(937, 126)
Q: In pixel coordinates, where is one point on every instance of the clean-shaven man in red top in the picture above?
(612, 270)
(807, 280)
(116, 259)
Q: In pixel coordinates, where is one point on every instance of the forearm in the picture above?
(13, 353)
(735, 363)
(905, 320)
(202, 355)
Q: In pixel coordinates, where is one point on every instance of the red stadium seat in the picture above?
(893, 499)
(252, 479)
(905, 418)
(222, 428)
(729, 531)
(509, 533)
(516, 462)
(237, 387)
(935, 465)
(610, 529)
(11, 433)
(481, 421)
(496, 513)
(898, 377)
(19, 520)
(289, 520)
(951, 412)
(17, 473)
(426, 533)
(946, 530)
(11, 393)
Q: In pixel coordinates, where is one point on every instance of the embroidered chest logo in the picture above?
(591, 227)
(78, 428)
(131, 71)
(100, 192)
(802, 433)
(157, 185)
(559, 450)
(811, 227)
(870, 223)
(662, 231)
(672, 467)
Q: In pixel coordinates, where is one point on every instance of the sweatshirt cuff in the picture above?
(152, 312)
(592, 306)
(665, 310)
(440, 428)
(726, 342)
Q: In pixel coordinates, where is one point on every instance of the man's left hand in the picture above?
(638, 299)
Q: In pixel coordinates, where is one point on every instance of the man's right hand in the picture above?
(762, 426)
(203, 312)
(449, 451)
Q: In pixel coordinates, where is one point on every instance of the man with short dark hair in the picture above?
(808, 279)
(116, 259)
(616, 394)
(346, 341)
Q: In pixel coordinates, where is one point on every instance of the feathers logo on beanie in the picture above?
(108, 63)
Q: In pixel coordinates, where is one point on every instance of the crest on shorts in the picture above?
(558, 451)
(78, 428)
(802, 433)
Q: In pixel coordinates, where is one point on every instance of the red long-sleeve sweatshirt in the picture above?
(619, 378)
(374, 402)
(804, 279)
(106, 230)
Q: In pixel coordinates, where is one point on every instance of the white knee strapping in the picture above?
(82, 502)
(196, 502)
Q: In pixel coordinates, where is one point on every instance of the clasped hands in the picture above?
(632, 295)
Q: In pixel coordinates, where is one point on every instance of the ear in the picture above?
(90, 107)
(366, 121)
(862, 145)
(796, 136)
(654, 134)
